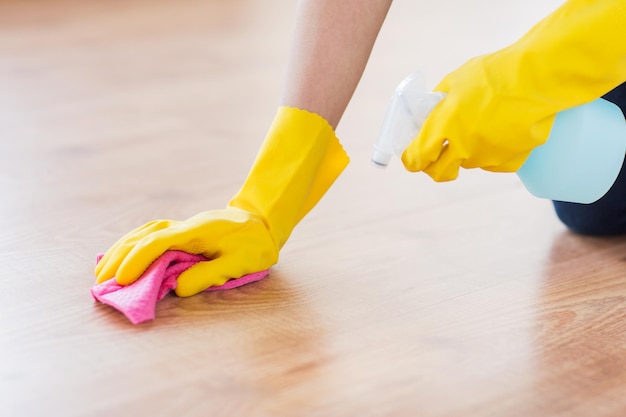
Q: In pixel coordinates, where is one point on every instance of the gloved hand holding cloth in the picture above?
(299, 160)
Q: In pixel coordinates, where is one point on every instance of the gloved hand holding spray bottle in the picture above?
(579, 162)
(530, 108)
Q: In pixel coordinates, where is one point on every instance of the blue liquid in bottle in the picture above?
(582, 157)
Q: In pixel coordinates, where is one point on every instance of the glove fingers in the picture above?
(446, 168)
(207, 274)
(147, 250)
(435, 150)
(112, 259)
(429, 143)
(106, 261)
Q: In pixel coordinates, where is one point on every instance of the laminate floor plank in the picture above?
(396, 296)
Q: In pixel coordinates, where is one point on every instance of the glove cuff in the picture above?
(298, 162)
(571, 57)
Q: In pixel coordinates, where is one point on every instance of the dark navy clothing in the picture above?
(606, 216)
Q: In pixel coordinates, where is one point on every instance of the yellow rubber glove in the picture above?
(500, 106)
(300, 159)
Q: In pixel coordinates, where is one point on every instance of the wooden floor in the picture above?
(395, 297)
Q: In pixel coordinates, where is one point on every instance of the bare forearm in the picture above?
(331, 45)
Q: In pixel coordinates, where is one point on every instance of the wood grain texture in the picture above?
(395, 297)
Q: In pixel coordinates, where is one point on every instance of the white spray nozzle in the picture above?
(409, 107)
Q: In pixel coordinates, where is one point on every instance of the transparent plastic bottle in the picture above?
(578, 163)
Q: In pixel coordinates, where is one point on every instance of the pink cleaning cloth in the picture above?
(138, 300)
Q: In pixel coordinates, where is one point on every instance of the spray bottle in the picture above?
(578, 163)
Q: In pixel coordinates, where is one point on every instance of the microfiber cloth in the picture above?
(138, 300)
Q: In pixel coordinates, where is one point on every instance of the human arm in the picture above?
(299, 160)
(332, 42)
